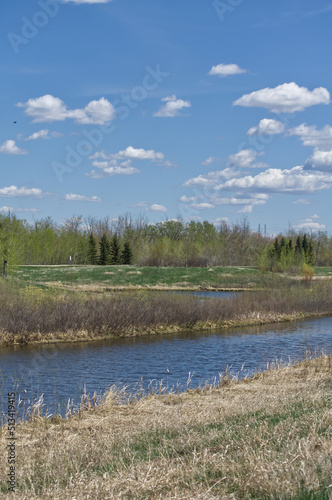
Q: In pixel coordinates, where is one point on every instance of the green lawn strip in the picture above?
(216, 277)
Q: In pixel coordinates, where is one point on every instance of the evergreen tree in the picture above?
(298, 246)
(305, 245)
(126, 254)
(92, 250)
(277, 248)
(104, 251)
(115, 251)
(310, 257)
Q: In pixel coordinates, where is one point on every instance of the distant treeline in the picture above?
(129, 240)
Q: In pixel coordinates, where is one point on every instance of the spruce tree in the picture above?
(305, 245)
(126, 254)
(92, 250)
(298, 246)
(310, 256)
(104, 251)
(115, 251)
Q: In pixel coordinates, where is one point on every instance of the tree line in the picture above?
(129, 240)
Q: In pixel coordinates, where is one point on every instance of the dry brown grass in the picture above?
(259, 438)
(33, 315)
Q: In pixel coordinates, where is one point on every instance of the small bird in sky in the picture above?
(14, 122)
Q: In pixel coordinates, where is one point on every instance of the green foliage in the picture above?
(169, 243)
(114, 258)
(92, 250)
(127, 254)
(104, 251)
(283, 256)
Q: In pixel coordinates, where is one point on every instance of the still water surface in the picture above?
(60, 371)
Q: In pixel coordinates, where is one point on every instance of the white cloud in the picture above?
(188, 199)
(6, 209)
(310, 225)
(267, 127)
(28, 210)
(111, 168)
(254, 200)
(130, 153)
(312, 137)
(50, 109)
(245, 210)
(80, 197)
(245, 159)
(295, 180)
(211, 178)
(172, 107)
(201, 206)
(158, 208)
(226, 70)
(209, 160)
(286, 98)
(302, 201)
(220, 220)
(320, 160)
(43, 134)
(141, 204)
(14, 191)
(9, 148)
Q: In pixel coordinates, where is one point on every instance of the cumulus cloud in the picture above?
(14, 191)
(244, 159)
(43, 134)
(226, 70)
(130, 153)
(245, 210)
(267, 127)
(111, 168)
(172, 107)
(80, 197)
(51, 109)
(158, 208)
(211, 178)
(312, 137)
(320, 160)
(295, 180)
(209, 160)
(6, 210)
(310, 225)
(9, 148)
(286, 98)
(201, 206)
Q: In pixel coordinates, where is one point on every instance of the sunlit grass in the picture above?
(264, 437)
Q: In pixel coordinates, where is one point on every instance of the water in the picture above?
(60, 371)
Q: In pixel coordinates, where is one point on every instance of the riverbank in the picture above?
(264, 437)
(31, 315)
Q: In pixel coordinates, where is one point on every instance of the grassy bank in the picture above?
(115, 277)
(36, 315)
(101, 278)
(268, 437)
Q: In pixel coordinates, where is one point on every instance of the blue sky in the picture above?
(208, 110)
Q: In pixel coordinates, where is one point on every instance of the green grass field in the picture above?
(157, 277)
(126, 276)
